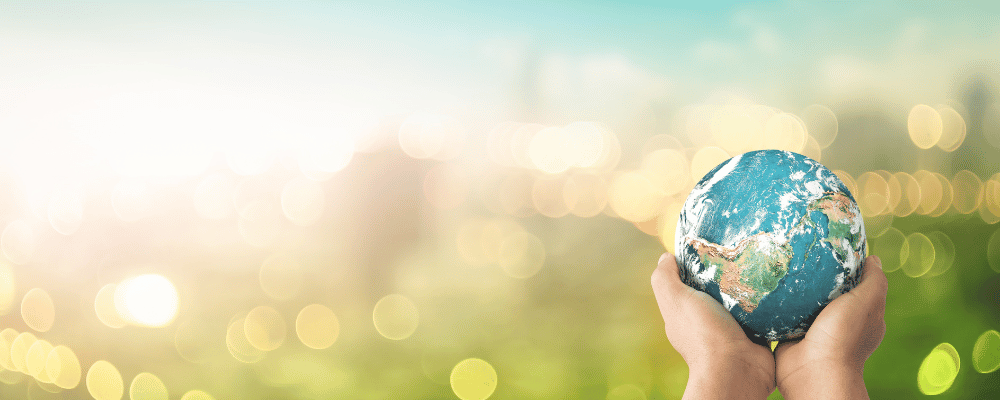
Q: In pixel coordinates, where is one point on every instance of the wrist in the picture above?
(824, 381)
(730, 378)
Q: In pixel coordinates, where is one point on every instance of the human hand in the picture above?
(723, 363)
(828, 362)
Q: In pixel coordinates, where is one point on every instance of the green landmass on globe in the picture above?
(753, 269)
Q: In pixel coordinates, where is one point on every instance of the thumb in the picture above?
(667, 285)
(874, 285)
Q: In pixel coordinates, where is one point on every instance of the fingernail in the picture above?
(663, 257)
(878, 262)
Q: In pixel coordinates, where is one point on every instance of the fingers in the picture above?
(667, 284)
(874, 285)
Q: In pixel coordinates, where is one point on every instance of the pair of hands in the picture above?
(724, 363)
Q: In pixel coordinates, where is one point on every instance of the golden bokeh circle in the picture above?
(812, 150)
(238, 345)
(921, 257)
(7, 337)
(104, 382)
(734, 129)
(634, 198)
(986, 352)
(992, 251)
(821, 123)
(891, 247)
(931, 191)
(909, 194)
(280, 277)
(968, 191)
(953, 129)
(146, 386)
(8, 288)
(785, 131)
(63, 367)
(667, 224)
(37, 310)
(944, 253)
(19, 351)
(395, 317)
(947, 196)
(191, 340)
(473, 379)
(848, 181)
(874, 190)
(265, 328)
(668, 169)
(547, 195)
(924, 125)
(938, 370)
(989, 208)
(197, 395)
(317, 326)
(35, 359)
(104, 306)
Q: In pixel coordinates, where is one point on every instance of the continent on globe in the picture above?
(777, 234)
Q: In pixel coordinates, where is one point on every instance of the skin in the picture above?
(827, 363)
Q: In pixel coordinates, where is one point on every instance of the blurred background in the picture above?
(439, 200)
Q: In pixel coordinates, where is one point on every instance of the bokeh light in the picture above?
(8, 288)
(986, 352)
(149, 300)
(921, 257)
(395, 317)
(104, 382)
(944, 253)
(968, 191)
(317, 326)
(892, 247)
(938, 370)
(924, 125)
(146, 386)
(993, 251)
(37, 310)
(238, 344)
(63, 367)
(104, 306)
(473, 379)
(821, 123)
(265, 328)
(953, 129)
(197, 395)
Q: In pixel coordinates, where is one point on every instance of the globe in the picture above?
(774, 236)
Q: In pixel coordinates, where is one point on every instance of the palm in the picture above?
(846, 332)
(709, 317)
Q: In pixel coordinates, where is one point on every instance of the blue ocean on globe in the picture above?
(774, 236)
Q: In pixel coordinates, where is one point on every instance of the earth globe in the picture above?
(774, 236)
